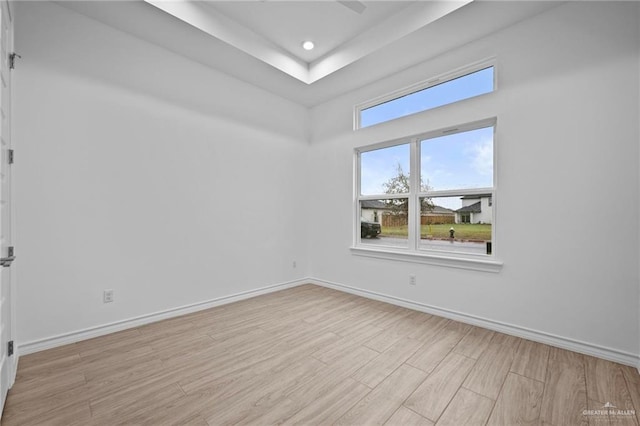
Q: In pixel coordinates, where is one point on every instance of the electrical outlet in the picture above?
(295, 264)
(412, 279)
(107, 296)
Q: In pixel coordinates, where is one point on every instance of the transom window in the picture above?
(432, 192)
(443, 90)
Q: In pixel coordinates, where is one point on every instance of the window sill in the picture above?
(451, 261)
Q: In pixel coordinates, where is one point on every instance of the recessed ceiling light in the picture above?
(308, 45)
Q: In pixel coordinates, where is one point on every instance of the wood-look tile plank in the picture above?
(39, 387)
(142, 397)
(124, 376)
(37, 397)
(129, 361)
(431, 327)
(50, 355)
(189, 347)
(598, 415)
(335, 350)
(91, 360)
(565, 395)
(491, 370)
(330, 313)
(348, 326)
(49, 368)
(458, 327)
(431, 353)
(384, 364)
(606, 386)
(506, 340)
(260, 398)
(531, 360)
(26, 406)
(383, 340)
(331, 377)
(405, 417)
(326, 381)
(393, 316)
(74, 414)
(402, 328)
(220, 374)
(519, 402)
(474, 343)
(467, 408)
(120, 339)
(435, 393)
(632, 379)
(184, 410)
(380, 404)
(330, 406)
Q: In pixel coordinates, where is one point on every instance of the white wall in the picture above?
(486, 211)
(146, 173)
(368, 215)
(567, 141)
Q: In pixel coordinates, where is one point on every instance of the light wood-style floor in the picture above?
(311, 355)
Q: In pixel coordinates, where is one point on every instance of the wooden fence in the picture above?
(437, 219)
(395, 220)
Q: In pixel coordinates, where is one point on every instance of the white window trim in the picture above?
(484, 265)
(413, 253)
(425, 84)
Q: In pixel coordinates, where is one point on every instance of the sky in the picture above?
(463, 87)
(457, 161)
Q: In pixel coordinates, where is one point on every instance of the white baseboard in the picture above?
(101, 330)
(610, 354)
(603, 352)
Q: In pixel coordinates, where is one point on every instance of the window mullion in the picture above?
(414, 189)
(356, 200)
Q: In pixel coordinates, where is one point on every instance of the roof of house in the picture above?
(438, 210)
(475, 197)
(472, 208)
(373, 204)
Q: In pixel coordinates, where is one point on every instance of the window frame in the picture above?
(413, 252)
(422, 85)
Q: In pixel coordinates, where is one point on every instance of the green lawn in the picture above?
(463, 231)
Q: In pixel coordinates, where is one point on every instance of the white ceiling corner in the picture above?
(256, 28)
(255, 41)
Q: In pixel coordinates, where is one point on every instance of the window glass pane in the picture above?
(460, 224)
(458, 161)
(464, 87)
(385, 171)
(384, 222)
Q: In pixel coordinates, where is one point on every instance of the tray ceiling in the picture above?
(259, 42)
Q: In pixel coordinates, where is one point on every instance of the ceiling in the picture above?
(287, 24)
(260, 42)
(273, 31)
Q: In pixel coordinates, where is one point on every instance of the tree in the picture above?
(399, 184)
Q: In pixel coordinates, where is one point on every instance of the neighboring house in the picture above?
(437, 215)
(475, 209)
(371, 210)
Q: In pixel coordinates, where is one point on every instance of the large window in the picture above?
(453, 87)
(429, 194)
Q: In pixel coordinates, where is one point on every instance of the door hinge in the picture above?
(10, 348)
(12, 60)
(5, 262)
(11, 156)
